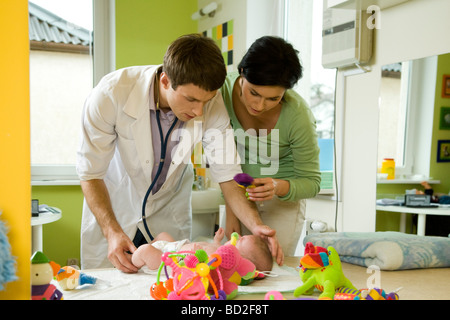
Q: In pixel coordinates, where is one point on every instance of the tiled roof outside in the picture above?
(394, 67)
(47, 26)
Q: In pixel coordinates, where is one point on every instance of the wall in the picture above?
(61, 239)
(15, 192)
(252, 19)
(145, 28)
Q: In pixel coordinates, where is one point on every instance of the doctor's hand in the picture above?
(268, 234)
(119, 246)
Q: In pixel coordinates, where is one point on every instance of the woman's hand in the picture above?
(267, 188)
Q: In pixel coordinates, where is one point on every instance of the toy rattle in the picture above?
(191, 277)
(244, 181)
(195, 276)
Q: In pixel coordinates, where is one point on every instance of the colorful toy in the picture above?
(321, 269)
(42, 272)
(235, 269)
(69, 278)
(195, 276)
(191, 277)
(376, 294)
(344, 293)
(244, 180)
(274, 295)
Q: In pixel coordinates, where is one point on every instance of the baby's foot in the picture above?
(219, 235)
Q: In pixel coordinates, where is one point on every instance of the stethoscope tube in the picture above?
(160, 167)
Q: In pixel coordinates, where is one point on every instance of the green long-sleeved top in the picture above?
(297, 157)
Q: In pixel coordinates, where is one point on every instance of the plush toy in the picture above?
(321, 269)
(42, 272)
(69, 278)
(235, 269)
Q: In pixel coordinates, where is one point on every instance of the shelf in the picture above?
(406, 181)
(55, 182)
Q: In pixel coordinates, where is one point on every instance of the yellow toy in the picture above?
(42, 272)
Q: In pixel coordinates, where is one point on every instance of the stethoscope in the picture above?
(164, 141)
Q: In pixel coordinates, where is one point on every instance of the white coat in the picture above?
(117, 147)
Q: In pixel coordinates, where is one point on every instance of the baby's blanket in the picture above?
(113, 284)
(387, 250)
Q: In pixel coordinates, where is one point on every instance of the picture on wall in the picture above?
(443, 151)
(222, 34)
(444, 119)
(446, 86)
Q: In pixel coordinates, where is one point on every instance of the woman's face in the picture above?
(260, 99)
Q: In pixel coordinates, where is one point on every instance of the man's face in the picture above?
(187, 101)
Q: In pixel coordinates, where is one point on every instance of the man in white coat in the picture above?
(139, 127)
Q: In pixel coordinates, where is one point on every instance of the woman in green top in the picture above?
(275, 133)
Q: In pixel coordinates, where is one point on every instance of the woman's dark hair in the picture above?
(271, 61)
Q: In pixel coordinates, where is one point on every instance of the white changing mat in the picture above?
(113, 284)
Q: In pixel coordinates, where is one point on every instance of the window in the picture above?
(62, 73)
(303, 29)
(393, 112)
(407, 94)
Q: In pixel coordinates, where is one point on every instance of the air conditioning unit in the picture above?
(346, 37)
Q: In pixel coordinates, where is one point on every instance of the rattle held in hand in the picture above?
(244, 181)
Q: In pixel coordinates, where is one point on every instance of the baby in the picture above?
(251, 247)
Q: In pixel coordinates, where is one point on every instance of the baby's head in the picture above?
(256, 250)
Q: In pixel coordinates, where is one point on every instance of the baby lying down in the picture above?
(251, 247)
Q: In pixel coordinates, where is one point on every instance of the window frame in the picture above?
(419, 127)
(103, 63)
(306, 83)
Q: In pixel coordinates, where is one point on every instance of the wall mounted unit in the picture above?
(363, 4)
(346, 38)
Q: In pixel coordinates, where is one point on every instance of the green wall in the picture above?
(144, 30)
(61, 239)
(439, 171)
